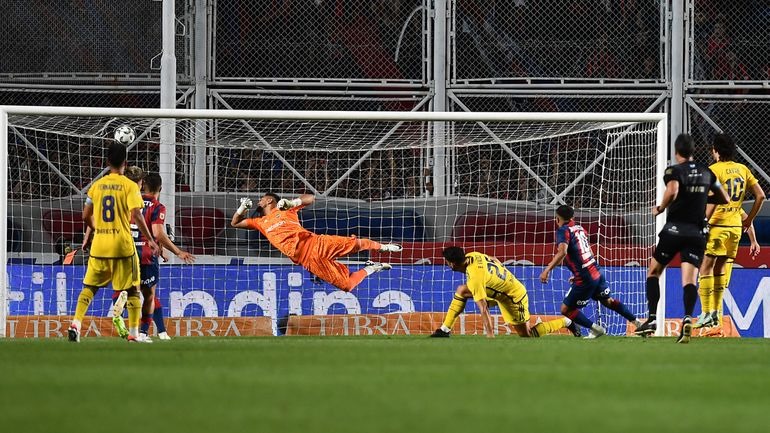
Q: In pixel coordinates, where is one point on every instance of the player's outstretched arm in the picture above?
(138, 218)
(303, 200)
(561, 253)
(159, 231)
(239, 217)
(486, 318)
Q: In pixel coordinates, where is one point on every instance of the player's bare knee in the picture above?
(463, 291)
(564, 310)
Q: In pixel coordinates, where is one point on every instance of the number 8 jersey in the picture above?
(736, 178)
(113, 198)
(580, 258)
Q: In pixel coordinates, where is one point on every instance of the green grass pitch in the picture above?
(380, 384)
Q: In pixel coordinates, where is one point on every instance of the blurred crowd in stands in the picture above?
(380, 39)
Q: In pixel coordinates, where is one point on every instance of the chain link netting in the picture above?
(562, 39)
(748, 122)
(340, 39)
(87, 37)
(555, 102)
(382, 175)
(729, 41)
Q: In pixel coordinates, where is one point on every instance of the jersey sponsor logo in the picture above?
(274, 226)
(107, 231)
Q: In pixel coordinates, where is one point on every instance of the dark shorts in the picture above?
(689, 247)
(580, 296)
(149, 275)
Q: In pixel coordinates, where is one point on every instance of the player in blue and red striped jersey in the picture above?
(587, 280)
(155, 216)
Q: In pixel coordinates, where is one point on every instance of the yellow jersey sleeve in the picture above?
(477, 275)
(736, 178)
(113, 198)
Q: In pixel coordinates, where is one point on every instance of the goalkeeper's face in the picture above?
(265, 204)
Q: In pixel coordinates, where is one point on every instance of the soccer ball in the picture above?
(125, 134)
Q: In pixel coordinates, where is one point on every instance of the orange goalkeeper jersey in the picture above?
(283, 230)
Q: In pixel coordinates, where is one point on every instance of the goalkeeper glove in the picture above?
(245, 205)
(284, 204)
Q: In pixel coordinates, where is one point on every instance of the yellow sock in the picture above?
(84, 301)
(706, 292)
(728, 272)
(455, 309)
(548, 327)
(134, 307)
(719, 293)
(726, 280)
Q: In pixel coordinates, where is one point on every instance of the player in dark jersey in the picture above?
(155, 216)
(587, 278)
(689, 187)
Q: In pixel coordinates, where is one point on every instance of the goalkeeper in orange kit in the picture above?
(278, 221)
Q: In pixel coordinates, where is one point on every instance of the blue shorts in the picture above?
(579, 296)
(149, 275)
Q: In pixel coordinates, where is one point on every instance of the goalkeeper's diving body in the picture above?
(488, 283)
(278, 220)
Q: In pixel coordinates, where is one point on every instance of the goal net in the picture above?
(488, 182)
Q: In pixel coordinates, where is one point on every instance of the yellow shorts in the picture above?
(122, 272)
(723, 241)
(514, 313)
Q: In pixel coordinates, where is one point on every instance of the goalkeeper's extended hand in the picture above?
(245, 205)
(284, 204)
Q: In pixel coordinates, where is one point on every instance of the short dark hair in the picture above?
(565, 212)
(153, 182)
(454, 254)
(684, 146)
(274, 196)
(724, 146)
(116, 154)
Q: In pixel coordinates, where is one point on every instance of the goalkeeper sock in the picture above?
(146, 320)
(653, 295)
(706, 292)
(548, 327)
(620, 308)
(157, 317)
(578, 317)
(367, 244)
(355, 278)
(456, 307)
(134, 307)
(84, 301)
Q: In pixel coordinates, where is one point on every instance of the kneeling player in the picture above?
(488, 280)
(588, 280)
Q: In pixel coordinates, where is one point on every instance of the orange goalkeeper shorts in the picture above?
(318, 254)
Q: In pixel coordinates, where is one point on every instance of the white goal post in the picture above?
(544, 159)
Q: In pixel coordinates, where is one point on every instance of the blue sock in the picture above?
(621, 309)
(578, 317)
(158, 318)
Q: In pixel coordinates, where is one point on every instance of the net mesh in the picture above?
(378, 180)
